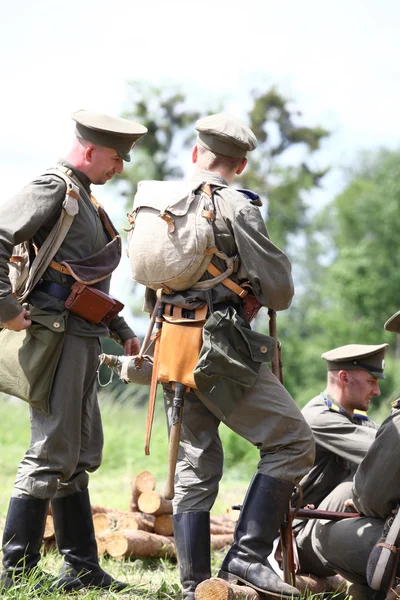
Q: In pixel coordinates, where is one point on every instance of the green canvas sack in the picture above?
(29, 358)
(229, 360)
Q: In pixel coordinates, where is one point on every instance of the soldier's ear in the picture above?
(242, 166)
(89, 150)
(343, 377)
(195, 154)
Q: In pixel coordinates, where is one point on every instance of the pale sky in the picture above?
(338, 60)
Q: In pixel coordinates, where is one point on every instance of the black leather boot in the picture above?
(73, 524)
(264, 507)
(22, 539)
(192, 541)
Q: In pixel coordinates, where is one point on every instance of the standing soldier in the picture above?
(234, 385)
(66, 430)
(342, 431)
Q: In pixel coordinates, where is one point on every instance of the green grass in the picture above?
(124, 429)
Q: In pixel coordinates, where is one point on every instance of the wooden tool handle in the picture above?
(174, 438)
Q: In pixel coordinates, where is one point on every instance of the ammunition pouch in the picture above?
(92, 304)
(180, 344)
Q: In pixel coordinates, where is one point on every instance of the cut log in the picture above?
(218, 589)
(49, 528)
(103, 522)
(318, 585)
(221, 529)
(49, 545)
(143, 482)
(96, 509)
(101, 540)
(222, 520)
(135, 521)
(221, 541)
(163, 525)
(154, 503)
(139, 544)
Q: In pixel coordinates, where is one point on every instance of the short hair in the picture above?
(211, 160)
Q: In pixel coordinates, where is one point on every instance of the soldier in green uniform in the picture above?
(66, 436)
(244, 394)
(346, 546)
(342, 430)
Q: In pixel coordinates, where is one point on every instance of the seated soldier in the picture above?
(343, 433)
(350, 547)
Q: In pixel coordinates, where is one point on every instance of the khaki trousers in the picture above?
(267, 417)
(345, 545)
(67, 443)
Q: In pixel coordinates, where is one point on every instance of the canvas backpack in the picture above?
(22, 274)
(171, 240)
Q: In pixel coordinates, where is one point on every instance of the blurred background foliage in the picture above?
(344, 253)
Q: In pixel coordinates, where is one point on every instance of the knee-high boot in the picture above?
(76, 541)
(22, 538)
(192, 541)
(261, 515)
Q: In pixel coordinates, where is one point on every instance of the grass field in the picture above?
(124, 427)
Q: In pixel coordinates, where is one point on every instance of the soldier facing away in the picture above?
(66, 429)
(244, 393)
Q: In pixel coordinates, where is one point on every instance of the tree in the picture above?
(354, 273)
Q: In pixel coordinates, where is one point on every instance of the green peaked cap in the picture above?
(111, 132)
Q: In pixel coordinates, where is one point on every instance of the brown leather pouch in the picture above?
(180, 345)
(92, 304)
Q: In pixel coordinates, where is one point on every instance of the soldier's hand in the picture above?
(132, 347)
(19, 323)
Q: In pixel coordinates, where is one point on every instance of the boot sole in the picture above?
(235, 579)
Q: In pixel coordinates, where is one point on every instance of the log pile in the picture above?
(145, 530)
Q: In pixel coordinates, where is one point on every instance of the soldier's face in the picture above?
(104, 164)
(361, 387)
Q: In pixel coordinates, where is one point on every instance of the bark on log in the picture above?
(163, 525)
(221, 541)
(143, 482)
(221, 529)
(154, 503)
(224, 520)
(218, 589)
(135, 521)
(96, 509)
(49, 545)
(101, 540)
(317, 585)
(139, 544)
(48, 533)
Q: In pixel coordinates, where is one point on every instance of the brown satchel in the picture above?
(92, 304)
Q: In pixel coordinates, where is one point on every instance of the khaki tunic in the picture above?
(341, 441)
(376, 490)
(264, 413)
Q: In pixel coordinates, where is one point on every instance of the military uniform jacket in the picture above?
(341, 441)
(31, 214)
(240, 230)
(223, 377)
(376, 488)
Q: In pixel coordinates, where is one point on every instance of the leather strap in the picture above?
(231, 285)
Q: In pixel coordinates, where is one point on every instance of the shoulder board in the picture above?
(252, 197)
(396, 403)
